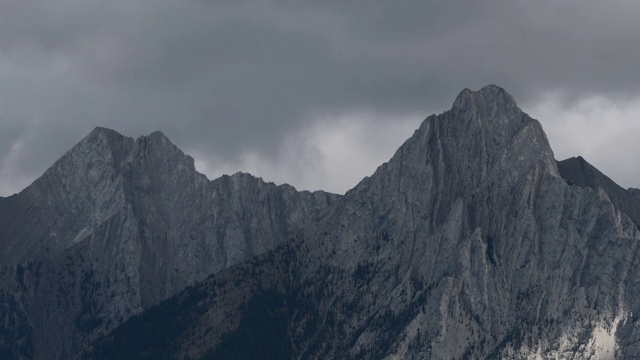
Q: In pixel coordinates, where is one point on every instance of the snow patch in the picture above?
(603, 339)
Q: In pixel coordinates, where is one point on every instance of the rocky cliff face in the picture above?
(467, 244)
(117, 225)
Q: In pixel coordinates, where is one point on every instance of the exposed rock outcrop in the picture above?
(471, 242)
(467, 244)
(117, 225)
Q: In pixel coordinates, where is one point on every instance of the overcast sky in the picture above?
(313, 93)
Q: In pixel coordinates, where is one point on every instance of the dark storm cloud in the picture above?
(223, 77)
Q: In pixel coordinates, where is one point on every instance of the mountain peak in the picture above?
(158, 139)
(157, 135)
(102, 139)
(491, 95)
(99, 130)
(579, 172)
(101, 136)
(484, 137)
(443, 252)
(493, 113)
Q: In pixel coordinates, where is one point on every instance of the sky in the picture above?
(316, 94)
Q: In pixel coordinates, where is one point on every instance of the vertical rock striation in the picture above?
(117, 225)
(467, 244)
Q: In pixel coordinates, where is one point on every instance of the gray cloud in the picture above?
(224, 79)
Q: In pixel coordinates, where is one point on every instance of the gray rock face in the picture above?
(467, 244)
(480, 248)
(117, 225)
(578, 172)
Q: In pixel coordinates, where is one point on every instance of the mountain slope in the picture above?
(117, 225)
(467, 244)
(580, 173)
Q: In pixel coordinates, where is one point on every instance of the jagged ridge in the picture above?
(466, 244)
(118, 224)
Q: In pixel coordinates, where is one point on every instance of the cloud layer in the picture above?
(280, 87)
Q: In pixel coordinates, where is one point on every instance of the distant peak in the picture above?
(157, 134)
(102, 131)
(244, 176)
(158, 138)
(493, 89)
(241, 174)
(103, 137)
(489, 95)
(158, 145)
(579, 172)
(576, 160)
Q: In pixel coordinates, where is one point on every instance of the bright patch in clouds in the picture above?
(13, 181)
(12, 177)
(605, 133)
(333, 154)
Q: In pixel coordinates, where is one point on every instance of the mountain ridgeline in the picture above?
(117, 225)
(471, 242)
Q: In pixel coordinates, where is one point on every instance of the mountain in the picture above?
(471, 242)
(467, 244)
(577, 171)
(119, 224)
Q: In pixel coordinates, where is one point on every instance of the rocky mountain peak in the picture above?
(490, 95)
(156, 153)
(157, 139)
(495, 113)
(579, 172)
(159, 143)
(159, 135)
(467, 244)
(485, 137)
(103, 142)
(117, 225)
(103, 131)
(101, 150)
(471, 242)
